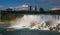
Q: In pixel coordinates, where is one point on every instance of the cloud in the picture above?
(57, 1)
(22, 7)
(11, 7)
(1, 7)
(51, 1)
(43, 0)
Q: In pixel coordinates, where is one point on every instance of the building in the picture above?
(55, 8)
(41, 10)
(22, 7)
(34, 8)
(30, 8)
(9, 9)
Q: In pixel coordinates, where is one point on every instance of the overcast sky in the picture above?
(46, 4)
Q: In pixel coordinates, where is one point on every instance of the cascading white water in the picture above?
(26, 21)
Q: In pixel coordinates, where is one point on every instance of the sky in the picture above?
(46, 4)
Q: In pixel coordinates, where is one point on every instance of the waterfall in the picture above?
(26, 20)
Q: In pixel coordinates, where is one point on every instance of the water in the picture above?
(30, 32)
(25, 22)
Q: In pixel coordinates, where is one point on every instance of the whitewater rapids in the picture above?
(26, 20)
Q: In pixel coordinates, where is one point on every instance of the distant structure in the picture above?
(41, 10)
(34, 8)
(9, 9)
(30, 8)
(23, 7)
(55, 8)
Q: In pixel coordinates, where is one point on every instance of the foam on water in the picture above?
(26, 21)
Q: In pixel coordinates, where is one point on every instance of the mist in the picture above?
(26, 20)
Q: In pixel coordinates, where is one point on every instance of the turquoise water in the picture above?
(29, 32)
(33, 32)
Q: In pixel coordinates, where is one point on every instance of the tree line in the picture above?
(41, 11)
